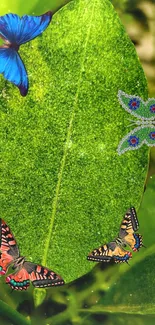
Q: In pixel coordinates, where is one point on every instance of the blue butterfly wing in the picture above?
(13, 69)
(32, 26)
(17, 31)
(9, 27)
(21, 30)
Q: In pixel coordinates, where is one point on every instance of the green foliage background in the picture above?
(97, 186)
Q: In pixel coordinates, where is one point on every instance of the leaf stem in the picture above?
(13, 315)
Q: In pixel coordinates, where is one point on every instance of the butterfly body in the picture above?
(9, 45)
(25, 272)
(15, 31)
(127, 237)
(144, 122)
(145, 132)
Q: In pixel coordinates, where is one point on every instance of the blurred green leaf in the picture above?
(19, 7)
(11, 315)
(121, 319)
(134, 291)
(34, 7)
(116, 318)
(119, 4)
(54, 5)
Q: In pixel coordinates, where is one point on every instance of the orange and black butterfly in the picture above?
(40, 276)
(127, 236)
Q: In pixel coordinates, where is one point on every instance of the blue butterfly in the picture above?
(15, 31)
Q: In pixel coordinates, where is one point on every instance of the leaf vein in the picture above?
(62, 165)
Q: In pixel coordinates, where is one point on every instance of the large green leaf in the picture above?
(64, 187)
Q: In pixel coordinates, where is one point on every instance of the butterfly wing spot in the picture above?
(121, 256)
(133, 141)
(152, 135)
(2, 270)
(138, 242)
(17, 285)
(134, 103)
(152, 108)
(19, 280)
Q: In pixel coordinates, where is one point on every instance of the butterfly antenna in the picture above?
(133, 122)
(127, 263)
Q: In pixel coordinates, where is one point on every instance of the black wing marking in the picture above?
(108, 252)
(42, 277)
(7, 240)
(129, 223)
(103, 254)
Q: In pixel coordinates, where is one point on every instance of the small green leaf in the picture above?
(64, 187)
(39, 296)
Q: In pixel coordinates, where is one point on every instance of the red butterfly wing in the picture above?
(19, 280)
(42, 277)
(8, 247)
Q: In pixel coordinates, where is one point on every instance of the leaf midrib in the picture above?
(69, 131)
(123, 309)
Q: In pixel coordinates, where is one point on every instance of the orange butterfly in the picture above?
(127, 236)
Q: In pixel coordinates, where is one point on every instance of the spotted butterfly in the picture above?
(16, 31)
(127, 236)
(40, 276)
(145, 132)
